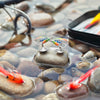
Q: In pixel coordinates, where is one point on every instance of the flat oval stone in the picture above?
(51, 74)
(52, 59)
(19, 90)
(40, 19)
(66, 94)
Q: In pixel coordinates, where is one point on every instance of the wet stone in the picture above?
(51, 96)
(39, 97)
(75, 72)
(10, 57)
(84, 65)
(39, 85)
(45, 7)
(7, 65)
(61, 32)
(29, 68)
(51, 74)
(19, 90)
(55, 27)
(4, 96)
(82, 48)
(7, 26)
(64, 78)
(40, 19)
(71, 43)
(28, 52)
(94, 81)
(30, 99)
(50, 86)
(89, 56)
(22, 6)
(97, 62)
(66, 94)
(52, 58)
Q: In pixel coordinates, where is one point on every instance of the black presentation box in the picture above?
(81, 35)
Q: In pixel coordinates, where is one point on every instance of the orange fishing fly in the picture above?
(13, 77)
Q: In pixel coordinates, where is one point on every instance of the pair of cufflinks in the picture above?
(58, 51)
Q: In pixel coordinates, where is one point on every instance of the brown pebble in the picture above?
(82, 48)
(22, 6)
(83, 65)
(61, 32)
(40, 19)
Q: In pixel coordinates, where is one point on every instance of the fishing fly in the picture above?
(13, 76)
(76, 84)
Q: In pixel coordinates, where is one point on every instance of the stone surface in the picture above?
(29, 68)
(94, 81)
(19, 90)
(51, 96)
(81, 47)
(28, 52)
(50, 86)
(84, 65)
(51, 74)
(22, 6)
(7, 26)
(39, 85)
(40, 19)
(66, 94)
(39, 97)
(52, 58)
(97, 62)
(4, 96)
(9, 57)
(64, 78)
(89, 56)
